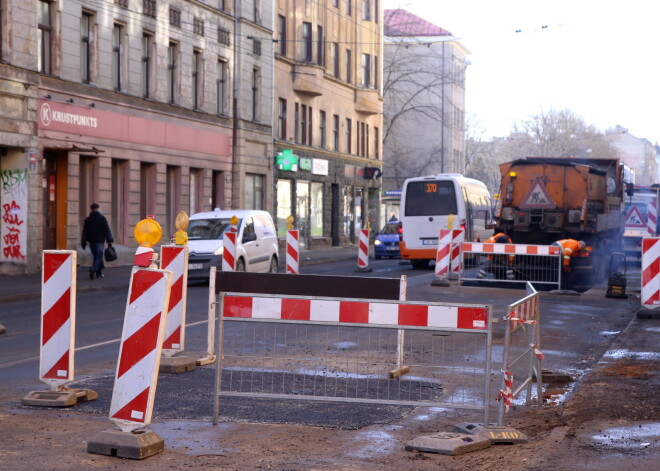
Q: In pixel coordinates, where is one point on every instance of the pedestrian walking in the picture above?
(96, 232)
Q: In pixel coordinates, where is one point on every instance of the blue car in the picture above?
(387, 241)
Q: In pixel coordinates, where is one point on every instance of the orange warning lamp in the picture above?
(147, 232)
(513, 174)
(234, 222)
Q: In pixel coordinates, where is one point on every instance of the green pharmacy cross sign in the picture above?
(287, 160)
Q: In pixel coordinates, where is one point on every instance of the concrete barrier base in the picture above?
(646, 313)
(176, 364)
(448, 443)
(132, 445)
(63, 398)
(363, 269)
(441, 282)
(496, 434)
(2, 329)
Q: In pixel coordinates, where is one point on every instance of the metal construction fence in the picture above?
(317, 348)
(521, 359)
(511, 263)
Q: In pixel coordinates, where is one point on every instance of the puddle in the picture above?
(195, 438)
(378, 443)
(623, 353)
(633, 436)
(610, 333)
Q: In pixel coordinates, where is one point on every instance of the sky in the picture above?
(598, 58)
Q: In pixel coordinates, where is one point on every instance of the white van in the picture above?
(256, 243)
(426, 202)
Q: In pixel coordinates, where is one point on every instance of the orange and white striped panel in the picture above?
(293, 252)
(363, 249)
(229, 251)
(443, 256)
(650, 272)
(175, 259)
(512, 249)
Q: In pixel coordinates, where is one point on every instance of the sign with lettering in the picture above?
(319, 166)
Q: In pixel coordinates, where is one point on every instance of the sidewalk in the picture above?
(18, 287)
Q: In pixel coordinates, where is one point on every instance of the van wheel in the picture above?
(419, 264)
(273, 265)
(240, 265)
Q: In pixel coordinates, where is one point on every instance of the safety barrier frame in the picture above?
(522, 334)
(532, 262)
(381, 314)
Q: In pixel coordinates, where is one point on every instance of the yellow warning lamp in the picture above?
(289, 222)
(450, 221)
(234, 222)
(147, 232)
(513, 174)
(181, 224)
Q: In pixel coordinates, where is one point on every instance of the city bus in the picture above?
(426, 204)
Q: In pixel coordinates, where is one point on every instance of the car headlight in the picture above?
(218, 251)
(377, 242)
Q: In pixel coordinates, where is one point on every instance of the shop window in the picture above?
(316, 210)
(284, 206)
(254, 191)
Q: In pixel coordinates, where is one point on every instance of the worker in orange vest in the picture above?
(495, 263)
(570, 248)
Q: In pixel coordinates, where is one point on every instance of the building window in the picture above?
(197, 79)
(366, 10)
(303, 124)
(282, 38)
(175, 17)
(376, 73)
(335, 3)
(281, 119)
(307, 41)
(223, 36)
(149, 8)
(120, 200)
(256, 47)
(85, 46)
(376, 144)
(256, 84)
(309, 126)
(117, 32)
(335, 132)
(221, 87)
(366, 70)
(349, 135)
(147, 43)
(349, 7)
(296, 122)
(254, 191)
(322, 129)
(348, 65)
(198, 26)
(172, 58)
(376, 8)
(257, 13)
(148, 188)
(45, 38)
(196, 189)
(335, 60)
(122, 3)
(320, 45)
(172, 199)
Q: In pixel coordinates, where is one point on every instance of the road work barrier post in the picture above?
(538, 264)
(521, 366)
(363, 251)
(210, 332)
(229, 251)
(650, 273)
(651, 218)
(448, 259)
(175, 259)
(293, 252)
(58, 323)
(137, 369)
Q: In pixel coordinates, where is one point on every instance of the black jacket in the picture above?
(96, 229)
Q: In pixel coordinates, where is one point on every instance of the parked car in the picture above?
(387, 241)
(256, 242)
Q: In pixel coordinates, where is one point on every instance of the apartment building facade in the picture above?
(327, 126)
(129, 104)
(424, 113)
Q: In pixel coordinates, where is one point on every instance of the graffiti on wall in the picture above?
(13, 211)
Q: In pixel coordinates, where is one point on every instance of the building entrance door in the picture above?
(54, 199)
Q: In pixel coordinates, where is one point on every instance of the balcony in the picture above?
(308, 79)
(366, 101)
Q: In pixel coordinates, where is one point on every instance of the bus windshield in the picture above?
(430, 198)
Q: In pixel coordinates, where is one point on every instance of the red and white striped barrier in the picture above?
(458, 236)
(229, 251)
(355, 312)
(513, 249)
(650, 272)
(140, 350)
(58, 317)
(293, 252)
(175, 259)
(651, 218)
(526, 312)
(506, 393)
(363, 249)
(443, 256)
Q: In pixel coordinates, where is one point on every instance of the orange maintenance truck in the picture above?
(544, 199)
